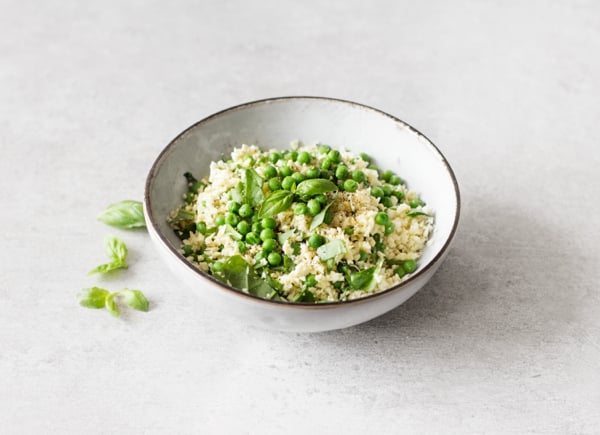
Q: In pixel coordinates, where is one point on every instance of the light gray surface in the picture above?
(504, 339)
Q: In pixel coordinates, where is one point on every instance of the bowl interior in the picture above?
(275, 123)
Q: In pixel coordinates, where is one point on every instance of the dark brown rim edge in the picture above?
(163, 154)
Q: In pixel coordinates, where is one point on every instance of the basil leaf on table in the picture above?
(315, 186)
(126, 214)
(94, 297)
(117, 252)
(276, 202)
(135, 299)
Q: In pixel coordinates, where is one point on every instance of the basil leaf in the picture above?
(331, 250)
(117, 251)
(413, 213)
(111, 305)
(281, 238)
(315, 186)
(253, 188)
(135, 299)
(320, 217)
(237, 193)
(365, 279)
(235, 272)
(183, 216)
(125, 214)
(305, 296)
(276, 202)
(94, 297)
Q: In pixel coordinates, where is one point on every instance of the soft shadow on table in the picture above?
(499, 277)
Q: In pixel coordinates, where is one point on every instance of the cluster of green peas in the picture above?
(329, 166)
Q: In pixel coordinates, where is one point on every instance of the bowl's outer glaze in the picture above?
(274, 123)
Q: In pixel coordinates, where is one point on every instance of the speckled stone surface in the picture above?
(504, 339)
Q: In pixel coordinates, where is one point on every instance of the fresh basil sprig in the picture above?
(315, 186)
(365, 279)
(237, 273)
(276, 202)
(125, 214)
(117, 252)
(97, 297)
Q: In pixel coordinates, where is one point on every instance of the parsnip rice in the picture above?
(311, 224)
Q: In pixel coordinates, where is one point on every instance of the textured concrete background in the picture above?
(504, 339)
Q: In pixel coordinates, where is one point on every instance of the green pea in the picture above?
(252, 238)
(269, 245)
(270, 172)
(316, 240)
(241, 247)
(300, 209)
(326, 174)
(275, 157)
(274, 259)
(387, 190)
(274, 184)
(334, 155)
(327, 164)
(312, 172)
(350, 185)
(321, 198)
(256, 227)
(294, 155)
(218, 266)
(398, 194)
(400, 272)
(377, 192)
(395, 180)
(232, 219)
(267, 233)
(268, 222)
(389, 228)
(358, 176)
(287, 183)
(220, 220)
(233, 206)
(414, 203)
(243, 228)
(409, 266)
(314, 207)
(386, 175)
(323, 149)
(349, 231)
(365, 157)
(341, 172)
(245, 210)
(201, 227)
(285, 171)
(298, 177)
(328, 217)
(387, 201)
(310, 281)
(303, 157)
(382, 218)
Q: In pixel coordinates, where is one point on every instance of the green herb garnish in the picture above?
(117, 252)
(413, 213)
(320, 217)
(276, 202)
(331, 250)
(315, 187)
(97, 298)
(125, 214)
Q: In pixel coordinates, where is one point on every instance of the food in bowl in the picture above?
(309, 225)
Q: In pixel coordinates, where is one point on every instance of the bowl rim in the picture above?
(297, 305)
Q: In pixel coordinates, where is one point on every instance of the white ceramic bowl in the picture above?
(274, 123)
